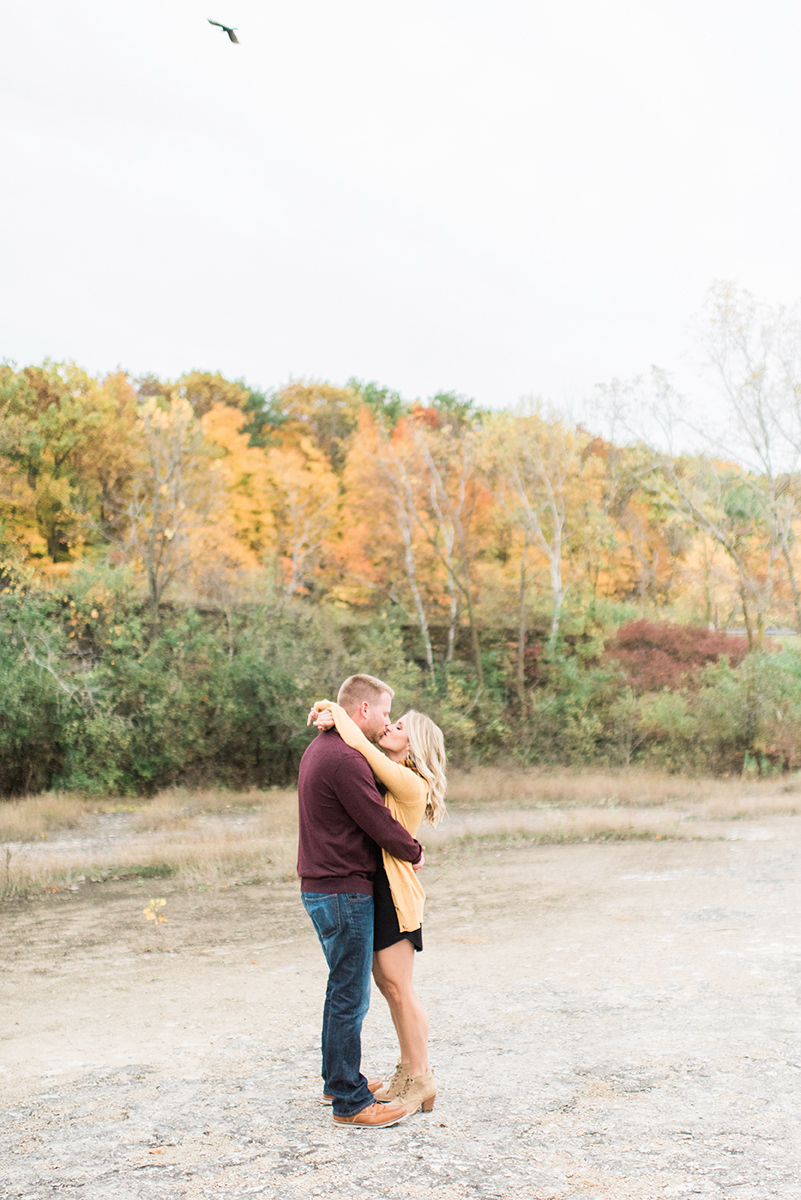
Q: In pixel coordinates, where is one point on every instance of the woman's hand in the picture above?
(323, 718)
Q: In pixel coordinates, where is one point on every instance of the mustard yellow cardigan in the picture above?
(406, 797)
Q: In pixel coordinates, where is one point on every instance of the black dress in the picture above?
(386, 931)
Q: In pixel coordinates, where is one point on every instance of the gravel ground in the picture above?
(608, 1022)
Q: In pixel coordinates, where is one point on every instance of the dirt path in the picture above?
(609, 1022)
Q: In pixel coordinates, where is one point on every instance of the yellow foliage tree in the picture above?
(540, 474)
(176, 499)
(305, 505)
(72, 440)
(318, 413)
(205, 391)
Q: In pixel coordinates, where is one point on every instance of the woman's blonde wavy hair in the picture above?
(427, 756)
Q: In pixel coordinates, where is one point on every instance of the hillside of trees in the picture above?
(185, 564)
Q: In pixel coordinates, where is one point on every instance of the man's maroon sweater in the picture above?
(341, 820)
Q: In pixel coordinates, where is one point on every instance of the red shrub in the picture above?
(655, 656)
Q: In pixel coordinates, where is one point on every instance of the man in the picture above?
(342, 819)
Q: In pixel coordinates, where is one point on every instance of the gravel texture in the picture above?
(608, 1022)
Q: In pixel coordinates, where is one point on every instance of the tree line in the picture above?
(184, 562)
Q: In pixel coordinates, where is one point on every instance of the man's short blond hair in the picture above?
(358, 688)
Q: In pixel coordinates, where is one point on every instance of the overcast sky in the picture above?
(497, 198)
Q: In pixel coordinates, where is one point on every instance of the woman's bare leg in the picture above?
(393, 971)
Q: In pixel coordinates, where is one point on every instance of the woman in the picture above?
(412, 770)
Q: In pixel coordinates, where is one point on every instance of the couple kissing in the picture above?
(364, 787)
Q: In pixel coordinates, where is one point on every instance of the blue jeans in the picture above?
(344, 925)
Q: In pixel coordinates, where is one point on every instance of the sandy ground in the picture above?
(608, 1022)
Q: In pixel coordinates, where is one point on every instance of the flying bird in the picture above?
(227, 29)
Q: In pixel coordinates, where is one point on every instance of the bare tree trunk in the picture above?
(760, 637)
(406, 513)
(793, 583)
(747, 618)
(439, 497)
(470, 614)
(173, 499)
(521, 629)
(558, 596)
(411, 575)
(536, 510)
(448, 534)
(453, 617)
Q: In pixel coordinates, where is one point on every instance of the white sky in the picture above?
(490, 197)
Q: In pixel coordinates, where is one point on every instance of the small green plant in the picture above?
(153, 913)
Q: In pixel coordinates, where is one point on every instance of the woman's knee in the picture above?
(384, 981)
(380, 982)
(395, 988)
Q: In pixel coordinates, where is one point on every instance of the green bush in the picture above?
(33, 706)
(754, 711)
(93, 698)
(729, 718)
(565, 724)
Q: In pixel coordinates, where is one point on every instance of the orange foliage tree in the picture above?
(244, 475)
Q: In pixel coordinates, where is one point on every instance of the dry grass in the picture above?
(34, 817)
(555, 825)
(202, 838)
(210, 838)
(720, 799)
(175, 808)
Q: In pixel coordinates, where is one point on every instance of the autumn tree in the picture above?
(537, 470)
(755, 351)
(718, 499)
(305, 494)
(712, 494)
(204, 390)
(448, 486)
(70, 437)
(319, 414)
(411, 493)
(175, 495)
(383, 521)
(19, 530)
(633, 543)
(244, 474)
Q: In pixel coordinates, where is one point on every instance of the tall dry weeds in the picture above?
(201, 838)
(209, 837)
(489, 787)
(34, 817)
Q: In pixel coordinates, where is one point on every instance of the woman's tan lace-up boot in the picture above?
(418, 1090)
(392, 1090)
